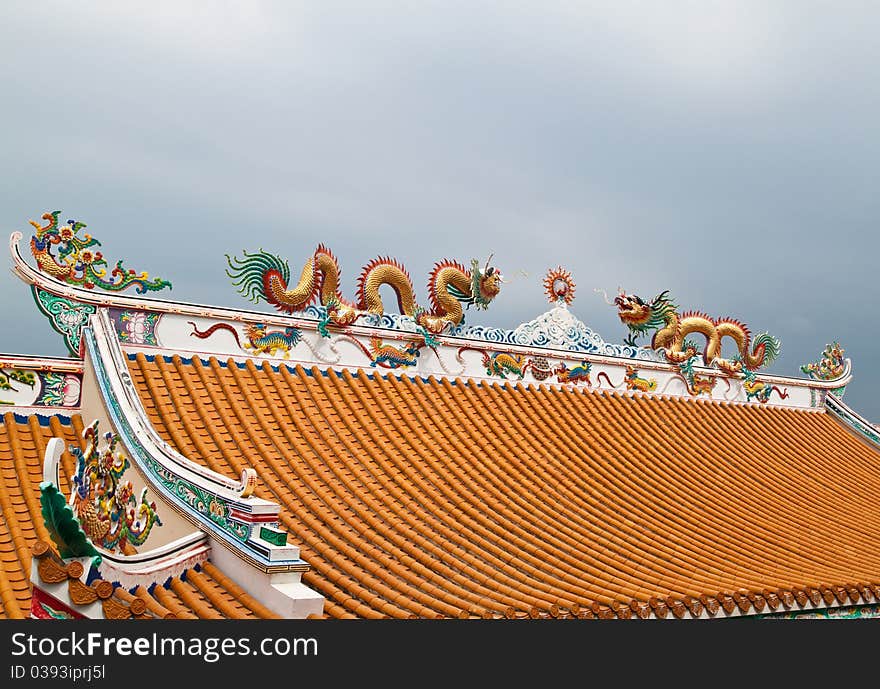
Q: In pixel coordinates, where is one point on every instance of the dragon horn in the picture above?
(604, 295)
(488, 260)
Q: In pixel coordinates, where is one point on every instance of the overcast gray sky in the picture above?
(727, 151)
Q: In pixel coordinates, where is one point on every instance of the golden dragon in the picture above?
(672, 330)
(264, 276)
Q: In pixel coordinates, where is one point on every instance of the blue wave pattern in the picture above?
(557, 329)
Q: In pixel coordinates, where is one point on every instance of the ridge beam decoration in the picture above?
(51, 594)
(59, 519)
(52, 460)
(559, 286)
(213, 502)
(67, 317)
(158, 564)
(447, 355)
(379, 351)
(54, 578)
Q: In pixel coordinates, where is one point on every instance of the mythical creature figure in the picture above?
(105, 506)
(393, 357)
(636, 382)
(575, 374)
(754, 388)
(263, 341)
(830, 366)
(259, 340)
(703, 385)
(500, 364)
(696, 383)
(671, 329)
(78, 264)
(264, 276)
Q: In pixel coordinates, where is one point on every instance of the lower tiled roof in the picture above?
(22, 446)
(203, 592)
(435, 498)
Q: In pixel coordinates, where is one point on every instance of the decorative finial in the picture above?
(62, 253)
(558, 285)
(831, 366)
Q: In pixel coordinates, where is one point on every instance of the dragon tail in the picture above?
(262, 275)
(204, 334)
(771, 347)
(248, 273)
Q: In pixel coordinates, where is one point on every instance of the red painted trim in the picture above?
(252, 518)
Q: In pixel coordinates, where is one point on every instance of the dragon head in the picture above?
(485, 283)
(639, 316)
(255, 330)
(632, 310)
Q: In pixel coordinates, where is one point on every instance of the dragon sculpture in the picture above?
(501, 363)
(264, 276)
(106, 507)
(671, 329)
(756, 389)
(635, 382)
(263, 341)
(259, 339)
(389, 356)
(77, 263)
(575, 374)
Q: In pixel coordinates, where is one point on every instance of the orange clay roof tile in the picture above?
(449, 498)
(20, 521)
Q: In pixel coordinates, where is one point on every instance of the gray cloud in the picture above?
(726, 151)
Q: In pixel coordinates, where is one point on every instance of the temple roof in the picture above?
(338, 460)
(445, 497)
